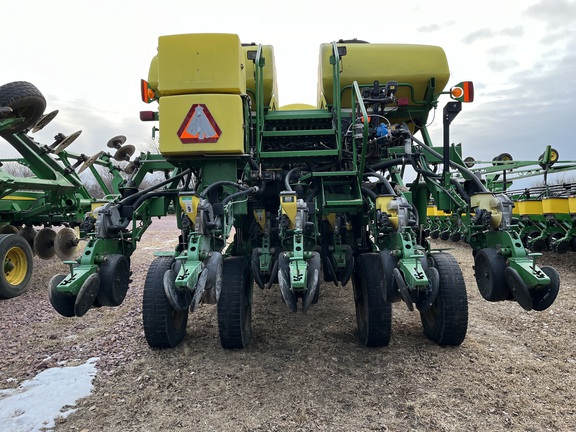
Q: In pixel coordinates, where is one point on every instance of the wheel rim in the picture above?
(15, 266)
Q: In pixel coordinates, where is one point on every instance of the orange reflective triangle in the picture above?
(199, 126)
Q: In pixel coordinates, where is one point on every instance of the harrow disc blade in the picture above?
(66, 244)
(44, 243)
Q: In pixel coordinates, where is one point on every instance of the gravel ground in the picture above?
(303, 372)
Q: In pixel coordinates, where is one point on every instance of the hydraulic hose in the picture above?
(136, 197)
(459, 167)
(386, 183)
(222, 183)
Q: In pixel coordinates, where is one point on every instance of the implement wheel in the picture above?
(164, 327)
(235, 303)
(489, 272)
(63, 303)
(16, 254)
(373, 312)
(446, 321)
(115, 278)
(26, 102)
(542, 299)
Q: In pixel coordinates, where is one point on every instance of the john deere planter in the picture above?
(285, 197)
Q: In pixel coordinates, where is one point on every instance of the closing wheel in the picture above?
(543, 298)
(26, 102)
(489, 268)
(115, 278)
(373, 313)
(235, 303)
(16, 254)
(446, 321)
(164, 327)
(63, 303)
(518, 288)
(87, 295)
(389, 287)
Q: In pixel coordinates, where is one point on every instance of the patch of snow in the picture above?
(37, 402)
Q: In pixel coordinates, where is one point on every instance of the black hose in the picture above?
(388, 163)
(248, 191)
(222, 183)
(459, 167)
(136, 196)
(369, 192)
(287, 179)
(386, 183)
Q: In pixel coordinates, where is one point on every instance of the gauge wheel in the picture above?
(164, 326)
(446, 321)
(373, 312)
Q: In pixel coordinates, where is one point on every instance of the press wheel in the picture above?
(235, 303)
(446, 321)
(164, 327)
(373, 312)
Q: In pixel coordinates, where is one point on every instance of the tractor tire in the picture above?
(446, 321)
(164, 327)
(26, 101)
(373, 312)
(235, 303)
(115, 277)
(16, 254)
(489, 272)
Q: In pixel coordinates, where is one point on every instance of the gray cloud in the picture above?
(513, 31)
(428, 29)
(502, 65)
(555, 13)
(484, 33)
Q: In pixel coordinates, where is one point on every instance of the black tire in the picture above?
(489, 272)
(164, 327)
(115, 278)
(235, 303)
(446, 322)
(25, 100)
(373, 312)
(389, 286)
(61, 302)
(542, 299)
(18, 265)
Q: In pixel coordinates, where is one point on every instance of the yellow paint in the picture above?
(189, 205)
(289, 208)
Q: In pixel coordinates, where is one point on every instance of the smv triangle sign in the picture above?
(199, 126)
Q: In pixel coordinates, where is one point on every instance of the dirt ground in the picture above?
(304, 372)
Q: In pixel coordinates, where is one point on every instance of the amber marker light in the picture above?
(463, 92)
(146, 93)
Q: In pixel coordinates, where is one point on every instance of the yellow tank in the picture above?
(529, 207)
(556, 205)
(268, 73)
(198, 63)
(366, 63)
(201, 124)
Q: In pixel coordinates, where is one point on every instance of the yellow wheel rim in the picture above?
(15, 266)
(553, 156)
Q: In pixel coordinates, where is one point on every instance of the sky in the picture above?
(87, 58)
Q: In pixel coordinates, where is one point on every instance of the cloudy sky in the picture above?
(87, 57)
